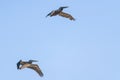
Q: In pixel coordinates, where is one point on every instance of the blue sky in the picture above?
(85, 49)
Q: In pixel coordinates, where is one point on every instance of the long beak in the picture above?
(65, 7)
(33, 61)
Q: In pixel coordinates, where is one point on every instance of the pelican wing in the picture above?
(66, 15)
(50, 14)
(36, 68)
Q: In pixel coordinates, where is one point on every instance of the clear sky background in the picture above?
(85, 49)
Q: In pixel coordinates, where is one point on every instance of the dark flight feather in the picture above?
(66, 15)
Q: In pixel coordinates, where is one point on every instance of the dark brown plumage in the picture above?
(28, 64)
(60, 13)
(66, 15)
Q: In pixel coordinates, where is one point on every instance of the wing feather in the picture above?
(36, 68)
(63, 14)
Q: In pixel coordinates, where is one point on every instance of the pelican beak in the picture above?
(33, 60)
(65, 7)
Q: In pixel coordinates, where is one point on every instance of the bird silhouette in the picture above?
(28, 64)
(60, 13)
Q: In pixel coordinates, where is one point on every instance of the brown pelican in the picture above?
(60, 13)
(28, 64)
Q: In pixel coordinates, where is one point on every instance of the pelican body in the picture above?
(28, 64)
(60, 13)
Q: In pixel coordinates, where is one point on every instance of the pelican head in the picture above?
(18, 64)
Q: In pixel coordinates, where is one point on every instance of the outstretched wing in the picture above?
(66, 15)
(36, 68)
(50, 14)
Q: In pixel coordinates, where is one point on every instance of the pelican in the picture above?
(28, 64)
(60, 13)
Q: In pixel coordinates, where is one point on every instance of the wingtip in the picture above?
(41, 75)
(73, 19)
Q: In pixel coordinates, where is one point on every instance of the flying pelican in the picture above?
(28, 64)
(60, 13)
